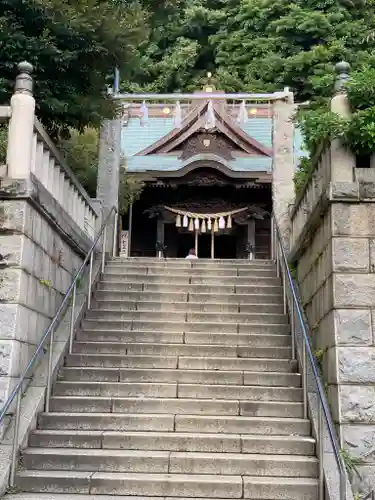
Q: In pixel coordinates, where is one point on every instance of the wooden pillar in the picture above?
(160, 233)
(251, 237)
(130, 230)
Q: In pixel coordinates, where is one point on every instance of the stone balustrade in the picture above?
(52, 171)
(308, 203)
(47, 226)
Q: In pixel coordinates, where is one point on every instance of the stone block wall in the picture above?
(36, 269)
(336, 273)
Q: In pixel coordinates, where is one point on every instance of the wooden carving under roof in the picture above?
(230, 135)
(208, 142)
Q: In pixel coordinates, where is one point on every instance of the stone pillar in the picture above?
(109, 169)
(342, 159)
(21, 125)
(283, 163)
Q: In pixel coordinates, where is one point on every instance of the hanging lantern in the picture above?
(216, 226)
(209, 225)
(203, 227)
(185, 221)
(191, 225)
(178, 220)
(229, 222)
(196, 224)
(221, 223)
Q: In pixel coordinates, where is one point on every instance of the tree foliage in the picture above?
(73, 45)
(256, 45)
(81, 150)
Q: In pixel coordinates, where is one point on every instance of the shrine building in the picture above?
(206, 166)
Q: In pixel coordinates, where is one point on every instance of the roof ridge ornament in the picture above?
(342, 70)
(243, 116)
(210, 117)
(177, 116)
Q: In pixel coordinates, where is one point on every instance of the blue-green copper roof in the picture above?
(259, 129)
(170, 163)
(135, 138)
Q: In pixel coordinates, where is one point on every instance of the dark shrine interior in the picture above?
(196, 198)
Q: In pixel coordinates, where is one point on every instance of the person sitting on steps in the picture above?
(191, 254)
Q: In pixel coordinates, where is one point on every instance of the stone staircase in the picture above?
(180, 384)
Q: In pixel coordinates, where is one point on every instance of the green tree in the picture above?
(74, 45)
(178, 54)
(255, 45)
(81, 152)
(269, 44)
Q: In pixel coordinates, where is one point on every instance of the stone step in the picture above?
(176, 406)
(180, 326)
(169, 275)
(206, 350)
(230, 271)
(190, 317)
(62, 496)
(172, 462)
(216, 362)
(101, 483)
(174, 441)
(97, 337)
(184, 376)
(195, 298)
(223, 290)
(276, 339)
(168, 485)
(287, 488)
(183, 279)
(171, 390)
(222, 424)
(185, 307)
(242, 425)
(196, 263)
(256, 363)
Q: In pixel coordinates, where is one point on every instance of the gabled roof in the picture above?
(195, 121)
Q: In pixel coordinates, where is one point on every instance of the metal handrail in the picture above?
(49, 333)
(279, 255)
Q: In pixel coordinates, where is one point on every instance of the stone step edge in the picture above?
(153, 356)
(276, 420)
(190, 435)
(188, 302)
(155, 321)
(155, 453)
(210, 313)
(188, 477)
(189, 262)
(145, 292)
(179, 370)
(181, 385)
(158, 283)
(73, 496)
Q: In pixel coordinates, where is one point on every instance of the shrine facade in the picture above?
(206, 167)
